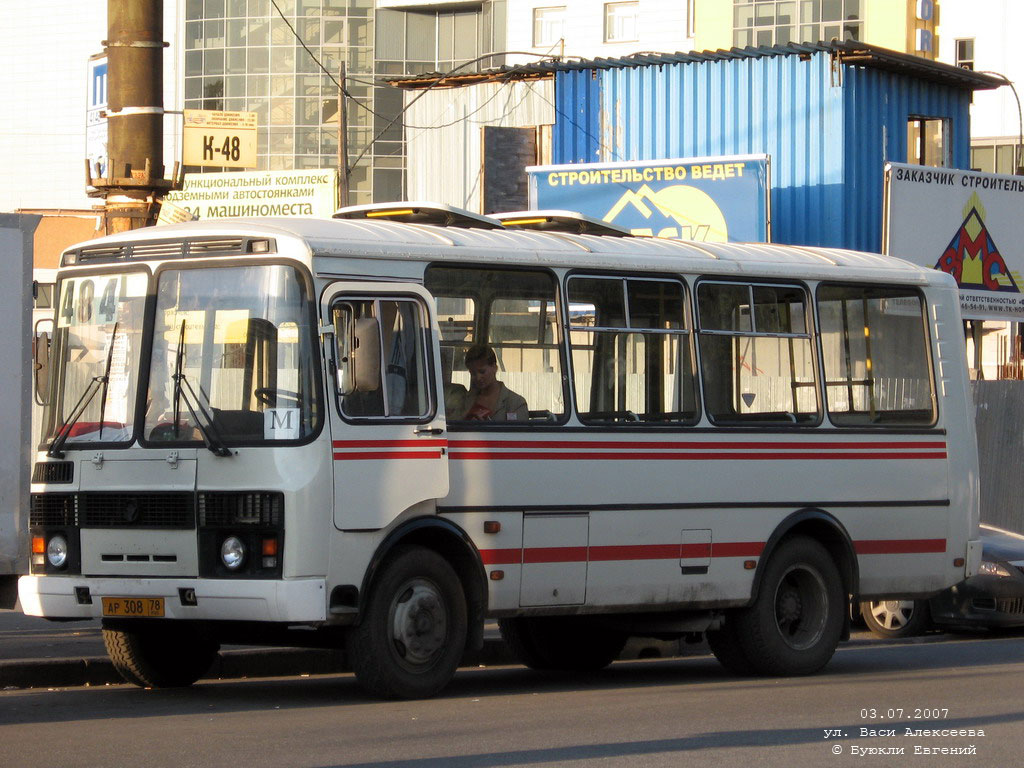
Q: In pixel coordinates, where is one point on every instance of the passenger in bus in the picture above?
(488, 399)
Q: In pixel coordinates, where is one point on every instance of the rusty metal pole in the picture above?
(135, 174)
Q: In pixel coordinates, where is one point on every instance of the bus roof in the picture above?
(381, 239)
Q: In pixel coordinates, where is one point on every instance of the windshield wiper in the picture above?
(183, 391)
(97, 383)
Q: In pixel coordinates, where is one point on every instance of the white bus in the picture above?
(265, 431)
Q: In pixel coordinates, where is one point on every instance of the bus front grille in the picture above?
(137, 510)
(52, 509)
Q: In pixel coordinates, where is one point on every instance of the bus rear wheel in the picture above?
(159, 655)
(413, 633)
(563, 643)
(794, 624)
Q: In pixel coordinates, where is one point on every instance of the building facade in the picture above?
(588, 29)
(974, 34)
(283, 60)
(982, 35)
(44, 54)
(908, 26)
(279, 58)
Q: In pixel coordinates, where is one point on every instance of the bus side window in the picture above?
(756, 354)
(512, 311)
(875, 350)
(632, 354)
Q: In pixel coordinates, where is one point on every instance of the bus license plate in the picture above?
(147, 607)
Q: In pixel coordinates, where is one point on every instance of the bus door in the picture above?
(387, 426)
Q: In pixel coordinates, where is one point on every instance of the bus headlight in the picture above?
(57, 551)
(232, 553)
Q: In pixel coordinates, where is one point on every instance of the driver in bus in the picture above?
(488, 399)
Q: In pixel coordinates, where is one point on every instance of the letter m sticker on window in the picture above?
(281, 424)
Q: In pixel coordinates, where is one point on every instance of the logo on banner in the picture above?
(972, 256)
(678, 211)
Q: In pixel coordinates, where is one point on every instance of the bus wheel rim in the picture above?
(801, 607)
(419, 623)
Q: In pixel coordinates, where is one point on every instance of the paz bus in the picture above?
(264, 431)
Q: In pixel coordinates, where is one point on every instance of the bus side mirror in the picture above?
(358, 352)
(366, 355)
(41, 366)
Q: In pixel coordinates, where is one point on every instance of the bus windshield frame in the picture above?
(97, 352)
(234, 356)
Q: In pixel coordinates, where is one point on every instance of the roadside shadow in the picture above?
(869, 663)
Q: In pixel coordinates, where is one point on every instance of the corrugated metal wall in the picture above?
(443, 134)
(817, 123)
(878, 106)
(1000, 427)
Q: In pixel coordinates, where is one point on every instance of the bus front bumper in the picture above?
(71, 597)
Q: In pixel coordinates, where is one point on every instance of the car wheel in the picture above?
(895, 618)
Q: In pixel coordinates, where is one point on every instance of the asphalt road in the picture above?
(31, 637)
(644, 713)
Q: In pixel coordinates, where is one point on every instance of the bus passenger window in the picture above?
(397, 385)
(875, 351)
(631, 351)
(756, 354)
(514, 314)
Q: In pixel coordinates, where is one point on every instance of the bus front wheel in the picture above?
(159, 655)
(794, 624)
(413, 632)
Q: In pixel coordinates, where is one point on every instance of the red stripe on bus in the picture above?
(501, 556)
(425, 443)
(648, 552)
(704, 445)
(388, 455)
(899, 546)
(623, 553)
(737, 548)
(555, 555)
(633, 552)
(704, 456)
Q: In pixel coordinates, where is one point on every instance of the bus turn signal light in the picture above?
(268, 549)
(38, 545)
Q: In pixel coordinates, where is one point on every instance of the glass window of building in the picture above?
(928, 142)
(621, 22)
(777, 22)
(1001, 156)
(548, 25)
(965, 53)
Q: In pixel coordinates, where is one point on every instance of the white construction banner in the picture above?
(258, 194)
(966, 223)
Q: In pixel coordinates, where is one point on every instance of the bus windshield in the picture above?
(232, 356)
(97, 351)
